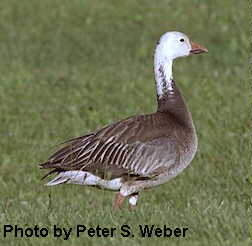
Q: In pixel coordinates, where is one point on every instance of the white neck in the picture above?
(163, 72)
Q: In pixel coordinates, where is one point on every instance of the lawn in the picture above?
(69, 67)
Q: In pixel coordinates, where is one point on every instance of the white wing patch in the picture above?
(85, 178)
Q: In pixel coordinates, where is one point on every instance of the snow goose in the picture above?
(139, 152)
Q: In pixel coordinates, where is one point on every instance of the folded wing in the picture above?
(129, 147)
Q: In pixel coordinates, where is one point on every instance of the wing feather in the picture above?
(121, 145)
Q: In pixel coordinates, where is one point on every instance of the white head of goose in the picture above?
(139, 152)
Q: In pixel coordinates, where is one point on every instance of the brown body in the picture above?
(139, 152)
(148, 148)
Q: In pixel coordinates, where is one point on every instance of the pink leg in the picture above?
(119, 199)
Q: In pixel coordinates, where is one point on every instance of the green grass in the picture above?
(69, 67)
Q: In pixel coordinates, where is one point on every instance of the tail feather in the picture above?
(48, 164)
(59, 179)
(49, 173)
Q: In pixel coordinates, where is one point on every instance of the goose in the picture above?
(139, 152)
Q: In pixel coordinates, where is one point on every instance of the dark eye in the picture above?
(181, 40)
